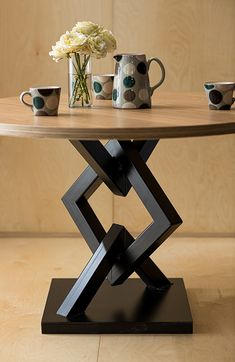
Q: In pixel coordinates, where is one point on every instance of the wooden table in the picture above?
(153, 303)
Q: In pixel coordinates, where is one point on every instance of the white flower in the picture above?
(85, 38)
(86, 27)
(98, 46)
(72, 42)
(57, 52)
(109, 39)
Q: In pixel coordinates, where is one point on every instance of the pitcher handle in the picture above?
(152, 89)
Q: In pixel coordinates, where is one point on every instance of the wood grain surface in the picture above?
(195, 39)
(35, 174)
(33, 30)
(172, 115)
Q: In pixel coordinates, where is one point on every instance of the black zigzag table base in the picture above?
(117, 254)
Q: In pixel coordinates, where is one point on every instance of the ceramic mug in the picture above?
(45, 100)
(220, 94)
(102, 86)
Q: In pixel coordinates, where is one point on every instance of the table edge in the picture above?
(122, 134)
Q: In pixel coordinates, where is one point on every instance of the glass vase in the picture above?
(79, 80)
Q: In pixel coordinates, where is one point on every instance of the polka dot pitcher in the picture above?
(131, 88)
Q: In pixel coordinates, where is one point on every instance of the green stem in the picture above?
(80, 90)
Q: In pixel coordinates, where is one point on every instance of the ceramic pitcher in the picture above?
(131, 88)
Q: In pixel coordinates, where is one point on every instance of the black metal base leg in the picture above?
(116, 254)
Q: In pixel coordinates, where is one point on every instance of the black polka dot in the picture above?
(129, 95)
(144, 105)
(45, 92)
(225, 107)
(57, 91)
(141, 67)
(118, 57)
(215, 96)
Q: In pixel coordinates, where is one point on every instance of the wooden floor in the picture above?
(27, 266)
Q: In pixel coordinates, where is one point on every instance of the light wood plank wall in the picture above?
(36, 173)
(195, 39)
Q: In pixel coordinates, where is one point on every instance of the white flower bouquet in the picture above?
(85, 40)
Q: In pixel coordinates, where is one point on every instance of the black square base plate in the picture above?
(127, 308)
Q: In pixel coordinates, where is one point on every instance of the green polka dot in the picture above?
(115, 94)
(209, 86)
(129, 82)
(38, 102)
(97, 87)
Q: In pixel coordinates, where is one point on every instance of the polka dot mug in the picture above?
(45, 100)
(102, 86)
(220, 95)
(131, 88)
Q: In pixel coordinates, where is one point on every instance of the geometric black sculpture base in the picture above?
(103, 299)
(126, 308)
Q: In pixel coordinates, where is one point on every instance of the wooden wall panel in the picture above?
(28, 29)
(36, 173)
(199, 177)
(195, 39)
(34, 176)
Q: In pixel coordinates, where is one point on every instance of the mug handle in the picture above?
(152, 89)
(22, 98)
(233, 99)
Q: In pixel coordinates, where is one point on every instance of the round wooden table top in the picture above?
(172, 115)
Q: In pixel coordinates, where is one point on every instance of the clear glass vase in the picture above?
(79, 80)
